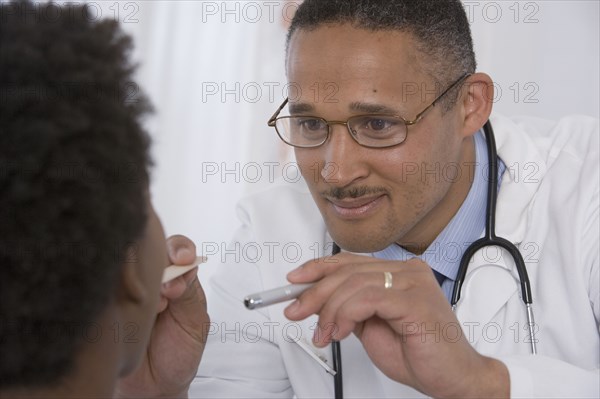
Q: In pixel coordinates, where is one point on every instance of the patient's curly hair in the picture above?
(73, 179)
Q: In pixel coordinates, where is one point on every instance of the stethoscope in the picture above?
(488, 239)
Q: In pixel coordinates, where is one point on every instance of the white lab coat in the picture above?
(547, 206)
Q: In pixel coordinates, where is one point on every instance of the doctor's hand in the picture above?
(178, 335)
(400, 327)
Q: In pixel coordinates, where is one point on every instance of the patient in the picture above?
(81, 250)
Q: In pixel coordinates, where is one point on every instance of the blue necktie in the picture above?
(439, 276)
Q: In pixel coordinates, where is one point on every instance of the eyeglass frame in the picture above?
(272, 122)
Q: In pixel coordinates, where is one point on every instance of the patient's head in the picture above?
(78, 236)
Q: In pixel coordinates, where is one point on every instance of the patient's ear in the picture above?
(477, 102)
(130, 302)
(132, 288)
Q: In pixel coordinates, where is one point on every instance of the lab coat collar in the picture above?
(525, 169)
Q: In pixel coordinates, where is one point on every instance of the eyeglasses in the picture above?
(373, 130)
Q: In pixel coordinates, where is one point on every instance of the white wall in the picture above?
(543, 55)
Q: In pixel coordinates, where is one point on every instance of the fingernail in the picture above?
(183, 252)
(296, 272)
(316, 339)
(293, 307)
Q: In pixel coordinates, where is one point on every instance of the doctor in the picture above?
(404, 195)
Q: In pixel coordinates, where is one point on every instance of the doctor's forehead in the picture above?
(369, 71)
(347, 50)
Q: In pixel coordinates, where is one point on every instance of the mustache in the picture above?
(340, 193)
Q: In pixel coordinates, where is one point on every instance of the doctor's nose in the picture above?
(342, 164)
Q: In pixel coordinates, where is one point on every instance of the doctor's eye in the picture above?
(310, 124)
(377, 126)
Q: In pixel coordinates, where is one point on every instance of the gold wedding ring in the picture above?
(388, 280)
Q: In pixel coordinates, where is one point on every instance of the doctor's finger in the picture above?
(372, 281)
(176, 287)
(311, 300)
(369, 285)
(182, 250)
(319, 268)
(414, 298)
(335, 287)
(162, 305)
(313, 270)
(354, 310)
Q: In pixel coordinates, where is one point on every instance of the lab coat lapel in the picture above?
(301, 366)
(489, 284)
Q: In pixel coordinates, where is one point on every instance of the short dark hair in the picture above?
(73, 179)
(440, 27)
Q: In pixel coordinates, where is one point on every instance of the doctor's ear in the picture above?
(477, 102)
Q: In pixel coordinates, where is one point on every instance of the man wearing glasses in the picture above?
(400, 183)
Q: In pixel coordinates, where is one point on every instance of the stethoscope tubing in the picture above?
(490, 239)
(336, 352)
